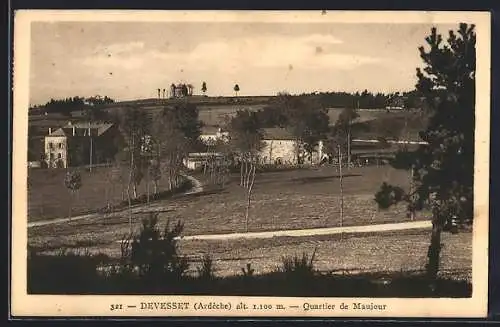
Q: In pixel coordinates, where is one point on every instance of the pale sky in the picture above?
(130, 60)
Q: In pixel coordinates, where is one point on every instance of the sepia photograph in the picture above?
(313, 163)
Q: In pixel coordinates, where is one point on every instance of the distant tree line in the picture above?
(367, 100)
(67, 105)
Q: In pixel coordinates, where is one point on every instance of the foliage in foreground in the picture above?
(442, 170)
(151, 263)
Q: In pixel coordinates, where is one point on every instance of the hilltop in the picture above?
(214, 111)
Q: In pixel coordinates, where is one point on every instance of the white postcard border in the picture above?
(23, 304)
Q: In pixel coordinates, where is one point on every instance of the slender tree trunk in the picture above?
(245, 171)
(271, 152)
(412, 212)
(249, 195)
(349, 145)
(245, 175)
(212, 169)
(106, 195)
(245, 178)
(147, 183)
(170, 182)
(341, 193)
(135, 190)
(241, 172)
(132, 167)
(433, 254)
(70, 204)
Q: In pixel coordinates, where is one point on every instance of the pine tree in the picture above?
(443, 169)
(204, 88)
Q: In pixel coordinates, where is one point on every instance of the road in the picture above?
(316, 231)
(390, 141)
(423, 224)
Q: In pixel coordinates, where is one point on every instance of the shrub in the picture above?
(207, 270)
(154, 254)
(248, 271)
(298, 267)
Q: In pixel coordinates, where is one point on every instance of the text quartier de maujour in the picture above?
(308, 306)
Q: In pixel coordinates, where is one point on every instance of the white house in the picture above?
(280, 147)
(56, 149)
(56, 142)
(213, 133)
(196, 160)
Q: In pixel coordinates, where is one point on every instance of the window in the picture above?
(59, 156)
(60, 145)
(51, 156)
(51, 145)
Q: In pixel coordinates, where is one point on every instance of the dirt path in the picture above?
(316, 231)
(197, 188)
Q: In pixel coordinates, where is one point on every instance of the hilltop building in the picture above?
(181, 90)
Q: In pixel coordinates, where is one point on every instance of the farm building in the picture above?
(213, 133)
(280, 147)
(78, 144)
(199, 159)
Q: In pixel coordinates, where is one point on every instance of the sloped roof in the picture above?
(58, 132)
(209, 129)
(81, 128)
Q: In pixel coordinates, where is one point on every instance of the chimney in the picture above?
(50, 131)
(73, 130)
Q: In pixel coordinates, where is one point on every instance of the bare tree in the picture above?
(249, 187)
(154, 172)
(134, 126)
(341, 190)
(246, 138)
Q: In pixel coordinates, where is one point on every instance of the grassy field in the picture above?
(281, 200)
(383, 252)
(49, 198)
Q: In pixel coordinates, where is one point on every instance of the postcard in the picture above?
(250, 163)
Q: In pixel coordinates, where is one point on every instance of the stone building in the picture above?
(80, 143)
(281, 148)
(181, 90)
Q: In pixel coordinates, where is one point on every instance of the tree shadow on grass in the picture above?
(319, 179)
(206, 192)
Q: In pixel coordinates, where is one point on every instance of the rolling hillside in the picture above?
(213, 111)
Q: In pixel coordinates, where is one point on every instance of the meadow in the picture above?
(295, 199)
(48, 197)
